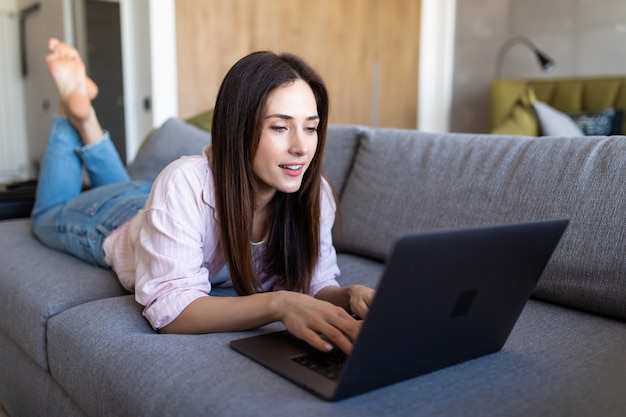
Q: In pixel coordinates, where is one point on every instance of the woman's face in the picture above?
(288, 140)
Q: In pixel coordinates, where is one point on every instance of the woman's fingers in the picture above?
(360, 308)
(322, 324)
(340, 336)
(327, 337)
(360, 300)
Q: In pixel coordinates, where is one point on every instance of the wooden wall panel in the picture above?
(347, 41)
(399, 35)
(333, 37)
(211, 37)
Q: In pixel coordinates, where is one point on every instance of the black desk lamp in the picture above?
(545, 62)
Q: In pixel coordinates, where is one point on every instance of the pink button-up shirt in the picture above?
(169, 254)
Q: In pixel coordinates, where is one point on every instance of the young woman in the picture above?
(257, 202)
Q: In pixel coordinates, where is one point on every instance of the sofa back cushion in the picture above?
(410, 181)
(173, 139)
(342, 142)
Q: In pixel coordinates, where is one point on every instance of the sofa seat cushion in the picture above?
(407, 180)
(37, 283)
(359, 270)
(19, 374)
(110, 362)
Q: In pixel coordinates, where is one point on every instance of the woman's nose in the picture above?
(298, 145)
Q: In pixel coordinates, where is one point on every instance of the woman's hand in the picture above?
(319, 323)
(360, 299)
(356, 299)
(322, 321)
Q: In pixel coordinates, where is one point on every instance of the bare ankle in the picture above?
(88, 127)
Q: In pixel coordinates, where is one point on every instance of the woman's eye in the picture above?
(311, 129)
(279, 128)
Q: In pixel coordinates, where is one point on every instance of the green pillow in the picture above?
(522, 120)
(202, 121)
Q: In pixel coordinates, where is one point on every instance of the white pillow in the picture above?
(555, 123)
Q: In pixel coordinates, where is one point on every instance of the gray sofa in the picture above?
(73, 342)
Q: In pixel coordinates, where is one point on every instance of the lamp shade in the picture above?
(545, 61)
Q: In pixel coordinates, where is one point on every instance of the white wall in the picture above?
(436, 65)
(149, 56)
(149, 61)
(13, 150)
(137, 75)
(163, 47)
(584, 37)
(41, 99)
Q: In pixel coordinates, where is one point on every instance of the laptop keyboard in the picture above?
(328, 364)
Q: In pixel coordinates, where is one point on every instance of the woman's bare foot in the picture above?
(75, 88)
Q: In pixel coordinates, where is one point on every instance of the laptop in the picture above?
(445, 297)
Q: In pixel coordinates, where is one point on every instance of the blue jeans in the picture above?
(76, 222)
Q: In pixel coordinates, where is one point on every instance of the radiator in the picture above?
(13, 138)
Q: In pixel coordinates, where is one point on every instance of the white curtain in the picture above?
(13, 139)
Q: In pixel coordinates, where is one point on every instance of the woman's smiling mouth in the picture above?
(293, 170)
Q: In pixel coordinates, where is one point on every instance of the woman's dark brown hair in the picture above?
(294, 219)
